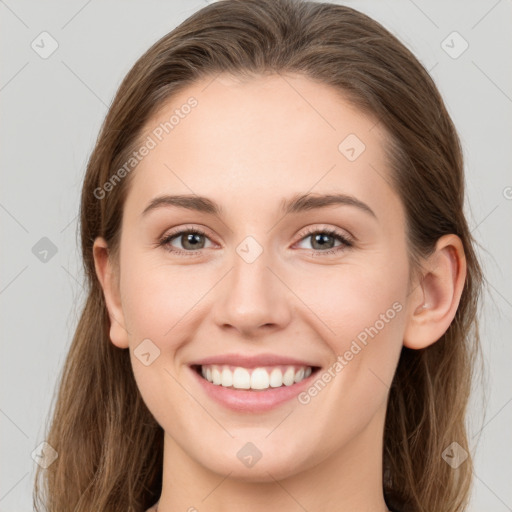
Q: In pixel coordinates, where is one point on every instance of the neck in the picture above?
(348, 480)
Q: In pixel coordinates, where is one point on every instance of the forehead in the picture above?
(235, 140)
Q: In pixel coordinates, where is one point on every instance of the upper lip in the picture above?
(251, 361)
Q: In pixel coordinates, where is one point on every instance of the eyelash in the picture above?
(346, 241)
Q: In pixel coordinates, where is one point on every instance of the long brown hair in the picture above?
(109, 445)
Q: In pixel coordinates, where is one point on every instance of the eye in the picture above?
(324, 240)
(191, 239)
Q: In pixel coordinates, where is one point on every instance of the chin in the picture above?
(249, 464)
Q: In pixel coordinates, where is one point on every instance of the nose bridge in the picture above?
(252, 297)
(250, 275)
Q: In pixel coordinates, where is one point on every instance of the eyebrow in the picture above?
(296, 204)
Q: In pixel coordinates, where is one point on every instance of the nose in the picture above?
(253, 300)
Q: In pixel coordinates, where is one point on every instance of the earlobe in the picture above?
(433, 303)
(110, 286)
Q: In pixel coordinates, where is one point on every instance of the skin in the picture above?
(248, 145)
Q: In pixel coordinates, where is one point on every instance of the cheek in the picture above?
(156, 298)
(158, 305)
(364, 304)
(363, 308)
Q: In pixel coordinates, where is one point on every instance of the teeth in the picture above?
(260, 379)
(257, 378)
(241, 379)
(216, 376)
(227, 378)
(289, 376)
(276, 378)
(299, 375)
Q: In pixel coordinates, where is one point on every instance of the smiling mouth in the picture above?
(254, 379)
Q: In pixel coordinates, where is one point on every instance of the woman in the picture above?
(282, 283)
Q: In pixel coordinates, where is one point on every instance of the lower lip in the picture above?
(252, 401)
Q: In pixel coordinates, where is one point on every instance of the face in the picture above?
(293, 307)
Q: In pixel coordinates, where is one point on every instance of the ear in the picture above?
(109, 281)
(434, 301)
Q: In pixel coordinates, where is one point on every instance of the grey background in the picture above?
(51, 112)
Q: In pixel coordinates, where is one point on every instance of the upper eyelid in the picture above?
(336, 230)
